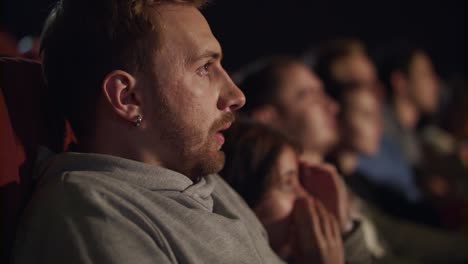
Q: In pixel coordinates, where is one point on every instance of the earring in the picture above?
(138, 120)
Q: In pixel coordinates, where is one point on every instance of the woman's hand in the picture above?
(323, 182)
(316, 234)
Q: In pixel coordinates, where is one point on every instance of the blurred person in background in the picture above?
(390, 167)
(285, 94)
(264, 87)
(413, 89)
(262, 166)
(337, 63)
(393, 240)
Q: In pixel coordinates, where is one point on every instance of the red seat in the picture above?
(27, 121)
(8, 45)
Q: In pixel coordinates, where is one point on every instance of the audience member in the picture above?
(262, 166)
(285, 94)
(393, 240)
(148, 100)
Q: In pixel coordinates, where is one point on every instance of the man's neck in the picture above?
(406, 113)
(347, 161)
(311, 157)
(108, 147)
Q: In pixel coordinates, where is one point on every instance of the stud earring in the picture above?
(138, 120)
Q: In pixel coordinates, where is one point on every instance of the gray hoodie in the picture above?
(93, 208)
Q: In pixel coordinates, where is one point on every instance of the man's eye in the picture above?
(204, 70)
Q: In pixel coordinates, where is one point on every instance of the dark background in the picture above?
(248, 29)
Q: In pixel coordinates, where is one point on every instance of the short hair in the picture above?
(398, 57)
(340, 90)
(332, 51)
(260, 86)
(252, 149)
(84, 40)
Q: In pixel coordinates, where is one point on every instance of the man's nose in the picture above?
(231, 97)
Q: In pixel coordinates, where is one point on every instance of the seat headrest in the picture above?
(27, 116)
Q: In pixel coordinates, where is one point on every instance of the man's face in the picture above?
(191, 99)
(423, 83)
(305, 112)
(361, 120)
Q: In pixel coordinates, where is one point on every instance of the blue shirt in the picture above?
(389, 167)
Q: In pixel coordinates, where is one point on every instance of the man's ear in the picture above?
(398, 82)
(120, 91)
(266, 114)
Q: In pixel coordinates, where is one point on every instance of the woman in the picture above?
(262, 166)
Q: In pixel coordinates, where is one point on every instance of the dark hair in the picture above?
(339, 90)
(398, 57)
(84, 40)
(332, 51)
(252, 149)
(260, 86)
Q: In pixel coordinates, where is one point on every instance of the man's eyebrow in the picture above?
(208, 54)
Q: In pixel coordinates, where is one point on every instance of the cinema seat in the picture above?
(27, 122)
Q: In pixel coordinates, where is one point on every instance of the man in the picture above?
(413, 91)
(142, 85)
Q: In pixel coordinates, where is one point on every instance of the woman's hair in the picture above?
(261, 84)
(252, 150)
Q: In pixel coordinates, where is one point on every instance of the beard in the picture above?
(195, 153)
(208, 162)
